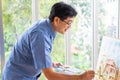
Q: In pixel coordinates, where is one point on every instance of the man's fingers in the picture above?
(90, 74)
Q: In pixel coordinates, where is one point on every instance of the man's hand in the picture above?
(87, 75)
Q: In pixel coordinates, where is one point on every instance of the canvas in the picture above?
(109, 53)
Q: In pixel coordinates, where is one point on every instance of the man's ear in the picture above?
(56, 20)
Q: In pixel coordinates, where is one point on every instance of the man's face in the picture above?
(63, 25)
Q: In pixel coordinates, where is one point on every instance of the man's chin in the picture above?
(63, 32)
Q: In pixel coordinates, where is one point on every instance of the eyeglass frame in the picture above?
(66, 22)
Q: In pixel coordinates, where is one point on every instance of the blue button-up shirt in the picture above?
(31, 53)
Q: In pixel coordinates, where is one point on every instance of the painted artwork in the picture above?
(108, 64)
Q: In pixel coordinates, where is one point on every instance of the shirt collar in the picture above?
(53, 33)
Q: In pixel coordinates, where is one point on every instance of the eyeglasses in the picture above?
(66, 22)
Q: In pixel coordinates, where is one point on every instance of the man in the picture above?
(31, 54)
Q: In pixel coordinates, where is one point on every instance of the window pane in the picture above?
(16, 18)
(108, 18)
(81, 35)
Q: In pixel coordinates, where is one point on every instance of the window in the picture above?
(95, 19)
(81, 35)
(80, 45)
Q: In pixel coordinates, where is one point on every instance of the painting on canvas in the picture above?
(109, 60)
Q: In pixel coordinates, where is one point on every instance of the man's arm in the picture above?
(52, 75)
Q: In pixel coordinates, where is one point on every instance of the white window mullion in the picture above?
(118, 19)
(67, 48)
(34, 10)
(95, 33)
(2, 57)
(117, 28)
